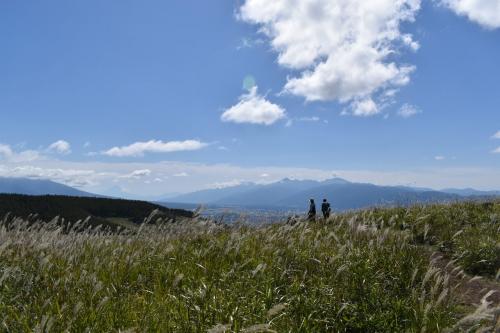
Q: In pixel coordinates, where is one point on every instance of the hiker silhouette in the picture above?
(326, 209)
(311, 215)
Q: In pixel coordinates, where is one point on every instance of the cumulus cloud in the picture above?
(365, 107)
(254, 109)
(60, 147)
(483, 12)
(154, 146)
(9, 155)
(408, 110)
(343, 49)
(496, 135)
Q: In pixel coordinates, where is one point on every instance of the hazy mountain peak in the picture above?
(31, 186)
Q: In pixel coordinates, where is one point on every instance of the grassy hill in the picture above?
(379, 270)
(105, 211)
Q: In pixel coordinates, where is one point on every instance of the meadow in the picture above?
(374, 270)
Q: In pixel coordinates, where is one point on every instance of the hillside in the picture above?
(30, 186)
(101, 210)
(429, 268)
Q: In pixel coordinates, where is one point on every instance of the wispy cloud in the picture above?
(69, 176)
(309, 119)
(496, 151)
(154, 146)
(496, 135)
(439, 158)
(136, 174)
(247, 43)
(408, 110)
(313, 119)
(181, 174)
(60, 147)
(254, 109)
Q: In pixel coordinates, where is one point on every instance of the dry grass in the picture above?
(352, 274)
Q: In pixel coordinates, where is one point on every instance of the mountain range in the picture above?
(287, 193)
(341, 193)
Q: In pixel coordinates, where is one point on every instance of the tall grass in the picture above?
(363, 272)
(468, 232)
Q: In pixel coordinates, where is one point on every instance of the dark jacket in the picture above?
(312, 208)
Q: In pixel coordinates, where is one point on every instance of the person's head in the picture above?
(311, 200)
(324, 200)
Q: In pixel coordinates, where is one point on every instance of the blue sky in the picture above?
(147, 98)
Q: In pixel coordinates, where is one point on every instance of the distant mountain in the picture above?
(470, 192)
(39, 187)
(274, 194)
(341, 193)
(212, 196)
(357, 195)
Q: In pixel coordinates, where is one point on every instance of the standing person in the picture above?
(326, 209)
(311, 216)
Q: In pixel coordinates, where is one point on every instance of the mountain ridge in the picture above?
(341, 193)
(30, 186)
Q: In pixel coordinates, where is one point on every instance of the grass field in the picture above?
(367, 271)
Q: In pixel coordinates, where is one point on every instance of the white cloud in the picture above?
(313, 119)
(309, 119)
(483, 12)
(136, 174)
(363, 108)
(247, 43)
(408, 110)
(230, 183)
(7, 154)
(254, 109)
(155, 146)
(340, 47)
(496, 135)
(439, 158)
(181, 174)
(68, 176)
(60, 147)
(496, 151)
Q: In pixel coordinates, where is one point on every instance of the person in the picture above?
(325, 209)
(311, 216)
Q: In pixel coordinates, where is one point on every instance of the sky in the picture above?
(153, 98)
